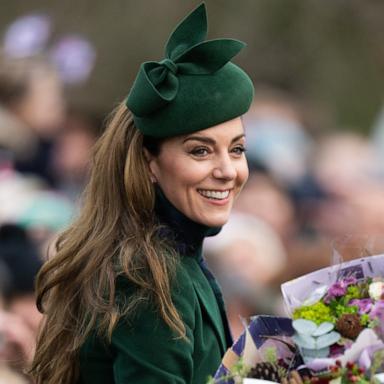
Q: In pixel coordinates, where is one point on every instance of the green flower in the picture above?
(364, 320)
(341, 309)
(318, 313)
(354, 292)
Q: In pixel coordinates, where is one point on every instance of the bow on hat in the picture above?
(157, 83)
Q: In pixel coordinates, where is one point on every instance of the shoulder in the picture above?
(146, 349)
(182, 293)
(183, 278)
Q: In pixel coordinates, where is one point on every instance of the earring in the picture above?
(153, 179)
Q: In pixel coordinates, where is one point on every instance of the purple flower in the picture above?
(377, 315)
(364, 305)
(366, 357)
(350, 280)
(337, 289)
(336, 350)
(377, 311)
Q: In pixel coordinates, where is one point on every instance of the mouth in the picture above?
(214, 194)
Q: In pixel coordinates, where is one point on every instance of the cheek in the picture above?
(242, 173)
(182, 172)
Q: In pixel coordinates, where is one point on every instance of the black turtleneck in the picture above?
(188, 237)
(186, 234)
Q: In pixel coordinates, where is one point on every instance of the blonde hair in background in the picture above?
(114, 235)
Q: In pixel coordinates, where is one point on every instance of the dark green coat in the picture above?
(145, 350)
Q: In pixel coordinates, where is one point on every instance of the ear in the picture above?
(147, 155)
(150, 159)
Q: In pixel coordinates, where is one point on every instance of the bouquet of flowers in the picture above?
(265, 350)
(335, 333)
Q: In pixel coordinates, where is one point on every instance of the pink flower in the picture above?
(364, 305)
(337, 289)
(377, 315)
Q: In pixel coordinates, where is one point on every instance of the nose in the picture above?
(225, 168)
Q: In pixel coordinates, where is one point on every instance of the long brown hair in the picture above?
(114, 235)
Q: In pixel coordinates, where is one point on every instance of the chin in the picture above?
(218, 221)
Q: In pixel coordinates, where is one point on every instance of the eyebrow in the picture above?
(209, 140)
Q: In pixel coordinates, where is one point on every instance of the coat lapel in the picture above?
(210, 308)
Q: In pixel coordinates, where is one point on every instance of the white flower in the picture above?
(376, 290)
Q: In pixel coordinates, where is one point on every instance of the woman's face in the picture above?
(202, 173)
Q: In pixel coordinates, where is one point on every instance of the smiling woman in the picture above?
(202, 173)
(127, 297)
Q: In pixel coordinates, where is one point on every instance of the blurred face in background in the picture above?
(348, 169)
(42, 106)
(202, 173)
(73, 146)
(263, 199)
(24, 306)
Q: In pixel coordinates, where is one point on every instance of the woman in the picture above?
(31, 112)
(127, 297)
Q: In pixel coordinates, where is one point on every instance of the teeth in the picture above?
(219, 195)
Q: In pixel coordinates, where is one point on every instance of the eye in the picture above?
(239, 150)
(200, 151)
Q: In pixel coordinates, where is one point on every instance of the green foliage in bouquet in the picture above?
(377, 363)
(238, 371)
(365, 321)
(314, 340)
(340, 309)
(318, 313)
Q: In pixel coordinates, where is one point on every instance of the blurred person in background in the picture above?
(24, 200)
(31, 112)
(16, 349)
(344, 162)
(17, 142)
(280, 132)
(44, 215)
(278, 140)
(247, 256)
(348, 169)
(19, 318)
(282, 189)
(72, 151)
(41, 212)
(265, 199)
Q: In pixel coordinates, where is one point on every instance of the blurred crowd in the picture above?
(306, 188)
(45, 147)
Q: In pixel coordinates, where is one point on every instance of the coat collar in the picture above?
(187, 235)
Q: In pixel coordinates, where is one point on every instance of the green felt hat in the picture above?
(195, 87)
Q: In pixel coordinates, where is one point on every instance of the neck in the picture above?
(186, 233)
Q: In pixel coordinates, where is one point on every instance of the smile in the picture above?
(216, 195)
